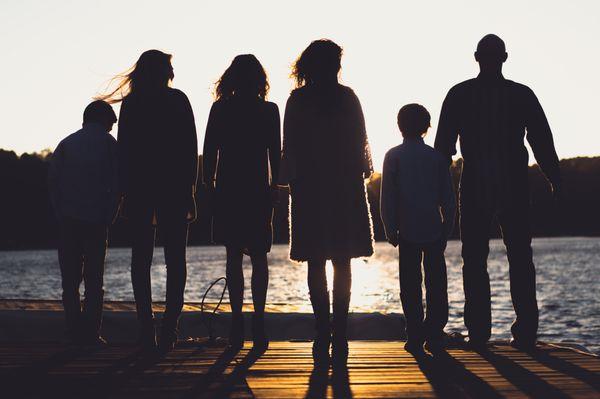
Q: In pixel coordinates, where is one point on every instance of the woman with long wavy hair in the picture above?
(326, 158)
(241, 158)
(158, 163)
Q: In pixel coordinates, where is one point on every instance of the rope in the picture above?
(208, 321)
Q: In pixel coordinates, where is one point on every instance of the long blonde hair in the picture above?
(152, 71)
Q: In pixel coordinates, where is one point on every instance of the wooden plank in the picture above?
(375, 369)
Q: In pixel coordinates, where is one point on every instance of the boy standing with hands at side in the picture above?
(417, 209)
(83, 189)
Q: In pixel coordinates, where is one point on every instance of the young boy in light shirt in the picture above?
(417, 209)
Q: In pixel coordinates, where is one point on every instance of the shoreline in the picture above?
(53, 248)
(40, 320)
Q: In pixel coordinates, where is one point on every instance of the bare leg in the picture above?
(235, 286)
(260, 282)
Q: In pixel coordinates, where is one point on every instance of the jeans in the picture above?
(475, 222)
(174, 235)
(81, 253)
(430, 328)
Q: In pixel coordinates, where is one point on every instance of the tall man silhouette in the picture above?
(492, 115)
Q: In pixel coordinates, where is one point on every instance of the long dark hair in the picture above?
(321, 60)
(152, 71)
(244, 75)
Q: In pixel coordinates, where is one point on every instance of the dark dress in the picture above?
(326, 158)
(242, 148)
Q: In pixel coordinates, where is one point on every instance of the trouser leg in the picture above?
(175, 240)
(93, 276)
(474, 229)
(142, 248)
(436, 286)
(411, 294)
(70, 259)
(517, 238)
(319, 296)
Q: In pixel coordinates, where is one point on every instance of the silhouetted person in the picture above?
(158, 160)
(242, 145)
(491, 115)
(417, 209)
(326, 158)
(84, 193)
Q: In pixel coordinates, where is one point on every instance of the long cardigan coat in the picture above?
(326, 158)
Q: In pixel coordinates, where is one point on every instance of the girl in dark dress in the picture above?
(158, 164)
(326, 158)
(240, 167)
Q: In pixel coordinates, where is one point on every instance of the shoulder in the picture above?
(520, 89)
(271, 106)
(177, 96)
(393, 152)
(461, 87)
(73, 137)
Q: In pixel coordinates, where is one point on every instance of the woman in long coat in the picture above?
(242, 151)
(326, 158)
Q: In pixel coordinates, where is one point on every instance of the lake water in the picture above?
(567, 283)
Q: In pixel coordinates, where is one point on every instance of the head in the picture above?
(413, 120)
(319, 62)
(151, 72)
(491, 54)
(100, 112)
(245, 76)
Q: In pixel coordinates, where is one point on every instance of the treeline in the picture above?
(27, 220)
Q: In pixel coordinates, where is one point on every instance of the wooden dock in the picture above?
(376, 369)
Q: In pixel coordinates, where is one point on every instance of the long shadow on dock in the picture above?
(375, 369)
(449, 378)
(526, 380)
(555, 362)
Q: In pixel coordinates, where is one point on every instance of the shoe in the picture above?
(477, 345)
(414, 347)
(522, 345)
(435, 346)
(259, 335)
(147, 337)
(97, 341)
(167, 341)
(236, 333)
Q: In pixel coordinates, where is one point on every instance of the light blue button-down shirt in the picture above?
(417, 199)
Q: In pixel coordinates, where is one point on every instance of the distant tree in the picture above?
(27, 219)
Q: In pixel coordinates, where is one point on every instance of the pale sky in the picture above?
(58, 54)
